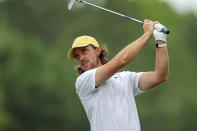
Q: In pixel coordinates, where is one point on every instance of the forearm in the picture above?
(149, 80)
(129, 53)
(162, 63)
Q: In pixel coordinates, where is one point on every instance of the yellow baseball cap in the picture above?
(80, 42)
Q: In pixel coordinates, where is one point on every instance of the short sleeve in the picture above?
(85, 83)
(134, 78)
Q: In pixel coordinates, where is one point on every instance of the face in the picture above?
(87, 57)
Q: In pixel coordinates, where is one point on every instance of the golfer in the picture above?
(108, 95)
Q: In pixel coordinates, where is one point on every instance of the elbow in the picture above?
(162, 76)
(163, 79)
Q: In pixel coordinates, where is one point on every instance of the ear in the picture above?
(98, 51)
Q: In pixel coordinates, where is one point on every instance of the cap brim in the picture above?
(70, 54)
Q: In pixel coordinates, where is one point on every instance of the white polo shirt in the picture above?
(111, 106)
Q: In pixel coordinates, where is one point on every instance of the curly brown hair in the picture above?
(102, 56)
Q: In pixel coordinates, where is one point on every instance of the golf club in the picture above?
(71, 3)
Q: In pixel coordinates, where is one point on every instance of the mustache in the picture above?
(83, 61)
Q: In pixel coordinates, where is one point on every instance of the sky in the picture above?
(183, 6)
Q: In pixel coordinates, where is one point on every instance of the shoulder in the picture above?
(86, 74)
(85, 83)
(123, 73)
(128, 73)
(86, 77)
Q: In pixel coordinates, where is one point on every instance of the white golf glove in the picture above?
(158, 35)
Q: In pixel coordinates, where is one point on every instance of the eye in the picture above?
(76, 56)
(84, 50)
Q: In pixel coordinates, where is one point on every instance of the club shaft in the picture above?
(127, 17)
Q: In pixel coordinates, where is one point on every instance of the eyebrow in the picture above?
(74, 52)
(80, 49)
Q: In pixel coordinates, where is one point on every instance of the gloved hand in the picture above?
(158, 35)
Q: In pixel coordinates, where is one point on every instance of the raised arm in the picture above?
(125, 56)
(149, 80)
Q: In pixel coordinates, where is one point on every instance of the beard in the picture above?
(88, 66)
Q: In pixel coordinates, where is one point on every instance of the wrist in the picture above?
(160, 38)
(148, 34)
(160, 42)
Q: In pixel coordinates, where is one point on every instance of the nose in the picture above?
(81, 57)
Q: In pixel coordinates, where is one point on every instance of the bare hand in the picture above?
(149, 26)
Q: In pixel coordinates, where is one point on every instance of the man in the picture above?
(108, 96)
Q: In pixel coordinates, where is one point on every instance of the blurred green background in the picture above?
(37, 82)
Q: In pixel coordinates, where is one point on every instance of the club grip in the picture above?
(164, 30)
